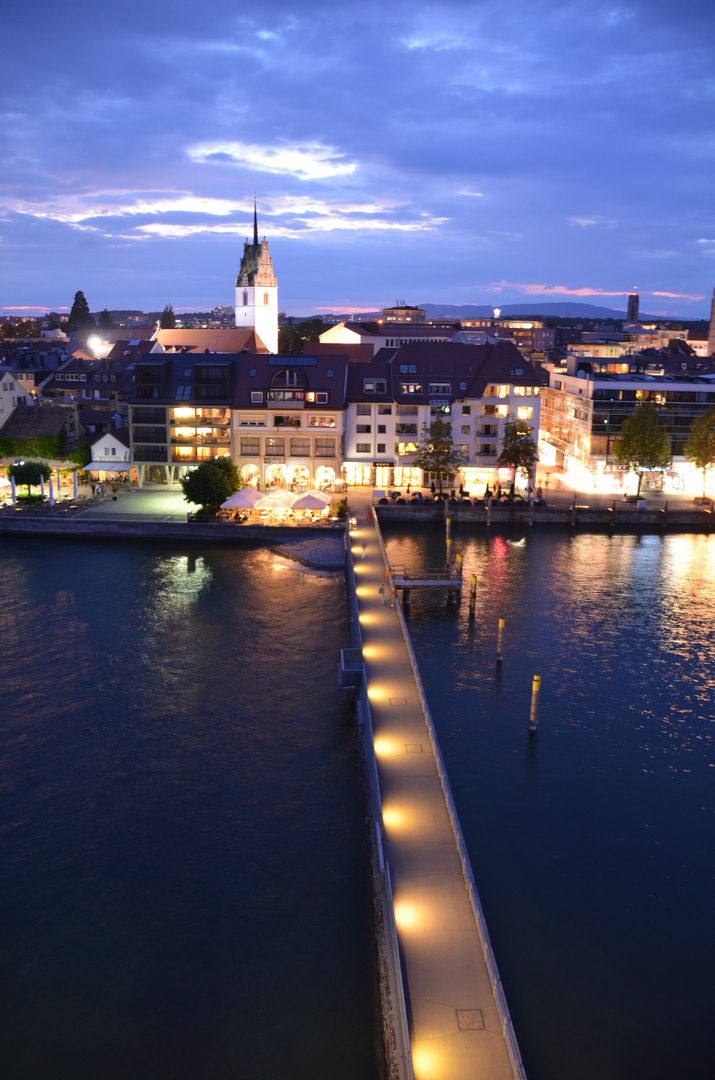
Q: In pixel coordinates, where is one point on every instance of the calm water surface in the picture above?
(182, 851)
(593, 844)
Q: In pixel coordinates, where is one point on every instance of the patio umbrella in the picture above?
(309, 501)
(276, 500)
(325, 499)
(242, 500)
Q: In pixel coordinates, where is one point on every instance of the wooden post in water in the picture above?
(448, 523)
(449, 550)
(573, 511)
(533, 715)
(500, 635)
(472, 595)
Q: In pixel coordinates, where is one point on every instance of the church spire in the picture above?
(255, 223)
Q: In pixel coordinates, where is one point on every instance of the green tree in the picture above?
(211, 483)
(643, 442)
(106, 322)
(168, 318)
(80, 317)
(290, 343)
(29, 473)
(518, 450)
(437, 453)
(311, 329)
(700, 447)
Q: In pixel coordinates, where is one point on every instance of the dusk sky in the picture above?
(458, 153)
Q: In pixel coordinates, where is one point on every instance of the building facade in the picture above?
(582, 415)
(289, 420)
(477, 389)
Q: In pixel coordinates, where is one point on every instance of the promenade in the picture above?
(455, 1028)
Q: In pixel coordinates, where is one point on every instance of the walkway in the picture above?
(454, 1024)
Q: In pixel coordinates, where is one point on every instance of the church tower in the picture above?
(257, 291)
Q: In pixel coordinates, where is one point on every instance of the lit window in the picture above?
(524, 412)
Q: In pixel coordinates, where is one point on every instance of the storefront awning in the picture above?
(108, 466)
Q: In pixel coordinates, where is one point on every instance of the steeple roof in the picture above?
(256, 265)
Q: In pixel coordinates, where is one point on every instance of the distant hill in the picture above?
(534, 308)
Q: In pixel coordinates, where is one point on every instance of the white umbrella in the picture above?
(242, 500)
(309, 501)
(325, 499)
(276, 500)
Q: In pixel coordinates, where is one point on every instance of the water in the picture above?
(593, 843)
(182, 842)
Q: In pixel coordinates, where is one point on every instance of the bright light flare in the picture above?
(387, 747)
(362, 590)
(426, 1063)
(370, 651)
(376, 693)
(407, 916)
(364, 617)
(392, 818)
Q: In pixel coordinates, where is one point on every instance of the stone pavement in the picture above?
(455, 1028)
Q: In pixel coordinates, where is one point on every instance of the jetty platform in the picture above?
(457, 1018)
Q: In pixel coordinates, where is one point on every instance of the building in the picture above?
(382, 335)
(289, 418)
(111, 455)
(632, 313)
(403, 313)
(180, 413)
(12, 394)
(711, 329)
(257, 291)
(207, 339)
(582, 415)
(475, 388)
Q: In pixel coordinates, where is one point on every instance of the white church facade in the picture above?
(257, 291)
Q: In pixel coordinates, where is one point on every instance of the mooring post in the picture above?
(448, 523)
(533, 716)
(472, 595)
(500, 635)
(406, 598)
(449, 550)
(489, 511)
(573, 511)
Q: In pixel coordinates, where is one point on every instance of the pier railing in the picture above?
(487, 951)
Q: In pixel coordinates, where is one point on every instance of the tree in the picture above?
(700, 447)
(106, 322)
(211, 483)
(80, 318)
(168, 318)
(437, 453)
(29, 472)
(518, 450)
(290, 343)
(643, 442)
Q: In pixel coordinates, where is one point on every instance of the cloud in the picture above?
(556, 290)
(585, 222)
(309, 161)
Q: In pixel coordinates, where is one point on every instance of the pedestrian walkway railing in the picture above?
(487, 951)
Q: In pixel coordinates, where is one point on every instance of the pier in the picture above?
(450, 1016)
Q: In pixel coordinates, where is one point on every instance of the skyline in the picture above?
(472, 154)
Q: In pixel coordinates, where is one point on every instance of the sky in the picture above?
(482, 152)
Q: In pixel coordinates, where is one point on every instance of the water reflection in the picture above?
(591, 841)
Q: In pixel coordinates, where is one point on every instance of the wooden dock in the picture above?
(427, 577)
